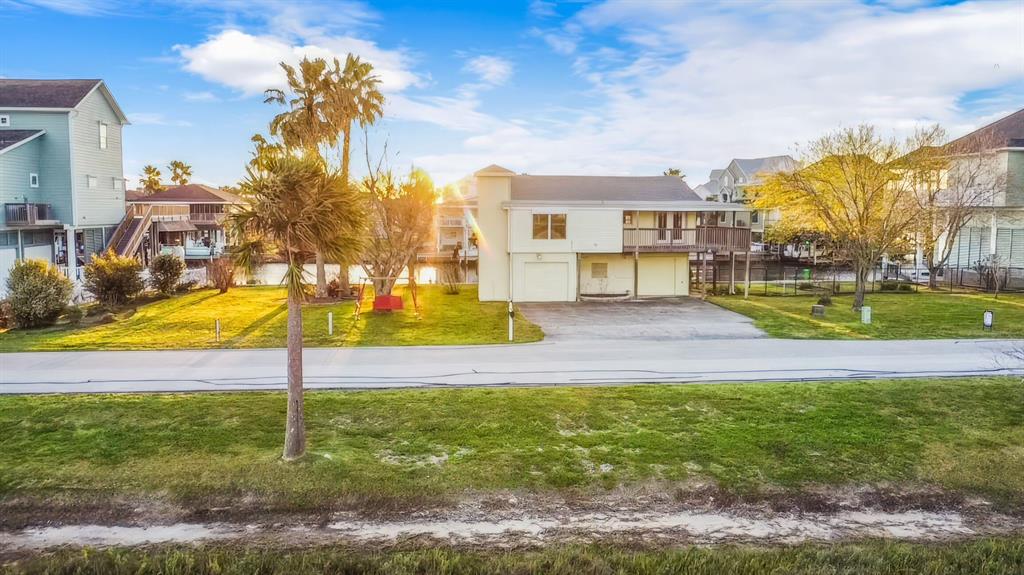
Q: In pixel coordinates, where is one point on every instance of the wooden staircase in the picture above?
(128, 236)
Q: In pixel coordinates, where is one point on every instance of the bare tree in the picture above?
(401, 217)
(954, 183)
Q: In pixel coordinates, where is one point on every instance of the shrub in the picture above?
(890, 285)
(185, 287)
(825, 300)
(221, 274)
(37, 293)
(165, 273)
(805, 286)
(75, 314)
(334, 288)
(113, 279)
(6, 314)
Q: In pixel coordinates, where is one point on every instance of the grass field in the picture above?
(255, 317)
(983, 557)
(384, 448)
(922, 315)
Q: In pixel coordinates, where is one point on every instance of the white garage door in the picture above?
(7, 257)
(545, 281)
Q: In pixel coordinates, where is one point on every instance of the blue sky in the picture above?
(540, 87)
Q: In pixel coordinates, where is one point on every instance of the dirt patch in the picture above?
(659, 513)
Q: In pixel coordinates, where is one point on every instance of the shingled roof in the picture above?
(602, 189)
(1006, 132)
(189, 194)
(44, 93)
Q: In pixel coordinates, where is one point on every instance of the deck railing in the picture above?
(28, 214)
(719, 239)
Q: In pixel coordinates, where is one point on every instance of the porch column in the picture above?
(636, 273)
(732, 273)
(993, 228)
(72, 253)
(746, 275)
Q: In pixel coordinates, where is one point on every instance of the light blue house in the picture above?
(61, 171)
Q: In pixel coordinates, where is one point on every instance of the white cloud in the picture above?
(156, 119)
(251, 63)
(205, 96)
(542, 8)
(694, 86)
(492, 70)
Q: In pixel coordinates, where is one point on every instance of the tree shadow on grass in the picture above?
(259, 322)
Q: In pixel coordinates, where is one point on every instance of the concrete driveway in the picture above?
(654, 319)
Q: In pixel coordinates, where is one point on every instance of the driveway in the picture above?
(653, 319)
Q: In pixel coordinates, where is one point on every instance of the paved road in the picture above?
(651, 320)
(546, 363)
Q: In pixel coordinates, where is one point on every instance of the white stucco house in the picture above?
(563, 238)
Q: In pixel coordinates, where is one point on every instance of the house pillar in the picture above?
(732, 273)
(992, 235)
(746, 275)
(72, 253)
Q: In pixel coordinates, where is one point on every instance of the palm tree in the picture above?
(305, 125)
(150, 180)
(293, 206)
(181, 172)
(357, 99)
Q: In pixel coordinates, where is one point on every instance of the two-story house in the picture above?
(997, 228)
(564, 238)
(185, 220)
(454, 230)
(61, 171)
(729, 185)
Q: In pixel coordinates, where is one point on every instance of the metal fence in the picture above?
(781, 278)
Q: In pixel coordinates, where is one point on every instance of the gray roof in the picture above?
(1004, 132)
(10, 138)
(771, 164)
(601, 189)
(44, 93)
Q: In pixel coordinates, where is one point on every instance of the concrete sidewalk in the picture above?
(546, 363)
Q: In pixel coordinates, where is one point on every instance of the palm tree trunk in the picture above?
(346, 144)
(321, 276)
(295, 426)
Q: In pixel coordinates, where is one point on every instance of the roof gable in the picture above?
(53, 94)
(1006, 132)
(188, 193)
(11, 139)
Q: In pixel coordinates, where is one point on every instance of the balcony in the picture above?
(30, 215)
(717, 239)
(449, 222)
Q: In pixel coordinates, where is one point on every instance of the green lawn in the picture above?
(922, 315)
(255, 317)
(982, 557)
(372, 449)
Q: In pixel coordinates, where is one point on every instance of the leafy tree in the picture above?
(674, 172)
(294, 206)
(113, 279)
(181, 172)
(151, 180)
(165, 273)
(401, 218)
(38, 293)
(853, 188)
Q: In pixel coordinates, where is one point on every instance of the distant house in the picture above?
(563, 238)
(61, 171)
(185, 220)
(454, 231)
(997, 229)
(730, 184)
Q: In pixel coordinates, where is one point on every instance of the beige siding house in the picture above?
(565, 238)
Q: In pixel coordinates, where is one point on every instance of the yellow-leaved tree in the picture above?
(855, 187)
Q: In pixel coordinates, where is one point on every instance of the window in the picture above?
(90, 181)
(118, 184)
(103, 136)
(33, 180)
(599, 271)
(755, 217)
(5, 120)
(549, 226)
(627, 218)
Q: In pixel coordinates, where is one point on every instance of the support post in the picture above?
(511, 321)
(330, 323)
(732, 273)
(636, 274)
(746, 276)
(216, 327)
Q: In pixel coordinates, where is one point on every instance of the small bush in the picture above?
(185, 287)
(825, 300)
(889, 285)
(165, 273)
(805, 286)
(451, 277)
(334, 288)
(221, 274)
(6, 314)
(37, 292)
(113, 279)
(74, 314)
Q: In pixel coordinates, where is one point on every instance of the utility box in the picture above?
(865, 315)
(818, 311)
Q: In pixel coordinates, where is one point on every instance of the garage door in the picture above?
(663, 276)
(545, 281)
